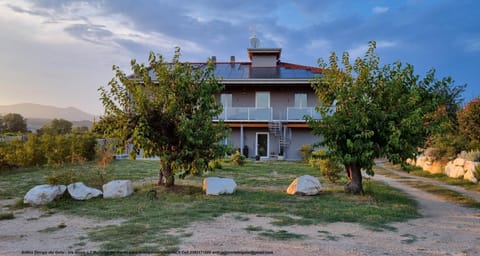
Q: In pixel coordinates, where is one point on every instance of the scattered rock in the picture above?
(469, 175)
(217, 186)
(461, 168)
(305, 185)
(79, 191)
(117, 189)
(43, 194)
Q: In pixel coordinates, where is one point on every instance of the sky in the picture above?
(59, 52)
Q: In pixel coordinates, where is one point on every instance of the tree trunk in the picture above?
(355, 176)
(166, 177)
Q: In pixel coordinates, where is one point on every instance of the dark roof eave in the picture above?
(267, 81)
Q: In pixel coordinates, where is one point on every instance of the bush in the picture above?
(306, 151)
(329, 168)
(238, 159)
(214, 164)
(35, 150)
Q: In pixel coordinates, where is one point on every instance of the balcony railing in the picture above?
(248, 114)
(266, 114)
(298, 114)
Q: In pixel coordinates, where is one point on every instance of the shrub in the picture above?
(329, 168)
(238, 159)
(306, 151)
(214, 164)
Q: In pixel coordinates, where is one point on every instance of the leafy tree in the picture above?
(167, 110)
(469, 123)
(2, 128)
(80, 129)
(57, 127)
(378, 112)
(14, 122)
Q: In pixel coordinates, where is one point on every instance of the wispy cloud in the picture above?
(472, 45)
(380, 9)
(360, 50)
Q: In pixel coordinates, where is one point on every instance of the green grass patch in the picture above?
(251, 228)
(7, 216)
(53, 229)
(261, 192)
(448, 195)
(281, 235)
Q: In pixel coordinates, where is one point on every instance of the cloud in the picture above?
(472, 44)
(360, 50)
(380, 9)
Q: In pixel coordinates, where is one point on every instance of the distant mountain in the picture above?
(39, 115)
(37, 111)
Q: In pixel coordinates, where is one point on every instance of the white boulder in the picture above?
(217, 186)
(79, 191)
(470, 176)
(117, 189)
(305, 185)
(43, 194)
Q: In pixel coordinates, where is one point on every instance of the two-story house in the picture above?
(264, 103)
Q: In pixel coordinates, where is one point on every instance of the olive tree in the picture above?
(167, 109)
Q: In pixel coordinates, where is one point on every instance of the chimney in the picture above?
(214, 59)
(232, 59)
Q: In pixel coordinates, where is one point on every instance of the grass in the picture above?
(448, 195)
(261, 192)
(53, 229)
(7, 216)
(281, 235)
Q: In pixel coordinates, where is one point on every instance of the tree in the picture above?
(167, 110)
(378, 112)
(469, 123)
(57, 127)
(2, 128)
(14, 122)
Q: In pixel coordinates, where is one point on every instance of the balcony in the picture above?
(246, 114)
(297, 114)
(266, 114)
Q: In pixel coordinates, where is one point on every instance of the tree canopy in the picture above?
(469, 123)
(57, 127)
(166, 109)
(14, 122)
(378, 111)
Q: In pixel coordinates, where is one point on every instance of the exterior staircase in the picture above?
(279, 130)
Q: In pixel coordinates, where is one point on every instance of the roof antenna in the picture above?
(254, 42)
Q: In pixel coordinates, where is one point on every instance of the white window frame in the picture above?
(257, 100)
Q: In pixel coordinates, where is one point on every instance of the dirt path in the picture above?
(34, 231)
(472, 194)
(443, 229)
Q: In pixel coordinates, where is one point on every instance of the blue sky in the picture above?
(60, 52)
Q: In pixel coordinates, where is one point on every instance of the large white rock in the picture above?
(470, 176)
(79, 191)
(421, 161)
(217, 186)
(117, 189)
(449, 168)
(305, 185)
(459, 162)
(43, 194)
(469, 166)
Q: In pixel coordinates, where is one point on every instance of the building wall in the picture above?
(298, 137)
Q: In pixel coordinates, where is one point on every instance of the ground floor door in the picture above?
(262, 148)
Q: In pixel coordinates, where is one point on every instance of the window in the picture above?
(226, 100)
(300, 100)
(262, 100)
